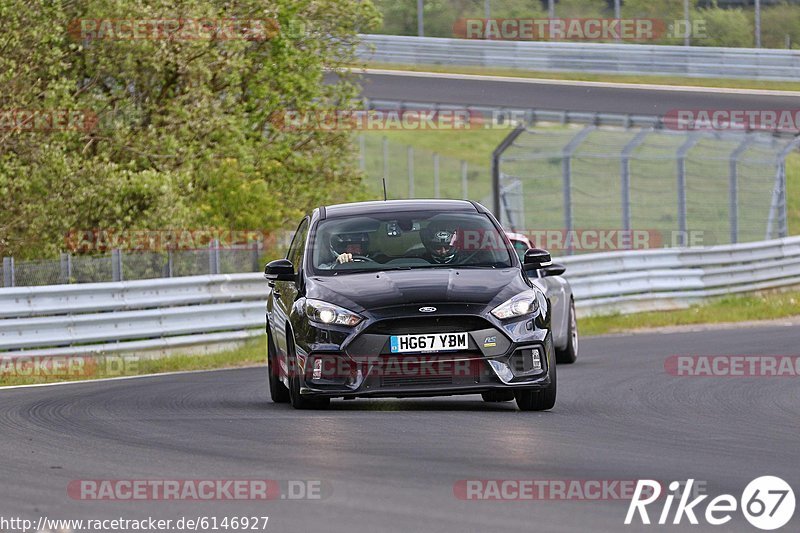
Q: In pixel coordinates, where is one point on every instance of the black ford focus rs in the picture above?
(407, 298)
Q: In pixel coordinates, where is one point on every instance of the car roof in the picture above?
(367, 208)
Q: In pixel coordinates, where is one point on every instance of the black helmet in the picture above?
(441, 244)
(352, 243)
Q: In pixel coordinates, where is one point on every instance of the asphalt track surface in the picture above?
(391, 464)
(569, 96)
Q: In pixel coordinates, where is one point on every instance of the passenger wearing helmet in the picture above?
(345, 246)
(440, 244)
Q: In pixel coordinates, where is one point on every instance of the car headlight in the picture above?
(524, 303)
(326, 313)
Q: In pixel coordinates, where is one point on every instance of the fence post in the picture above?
(777, 209)
(682, 223)
(410, 165)
(170, 263)
(385, 148)
(496, 155)
(420, 19)
(8, 272)
(256, 246)
(66, 267)
(435, 175)
(733, 189)
(566, 176)
(362, 148)
(625, 173)
(464, 185)
(213, 257)
(116, 265)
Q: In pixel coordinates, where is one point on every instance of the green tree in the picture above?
(725, 27)
(778, 23)
(187, 133)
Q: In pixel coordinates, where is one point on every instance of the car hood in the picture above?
(376, 290)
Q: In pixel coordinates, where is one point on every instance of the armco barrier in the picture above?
(125, 316)
(602, 58)
(206, 310)
(673, 278)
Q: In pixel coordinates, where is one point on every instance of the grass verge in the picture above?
(744, 308)
(24, 371)
(728, 83)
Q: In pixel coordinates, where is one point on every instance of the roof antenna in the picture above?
(384, 190)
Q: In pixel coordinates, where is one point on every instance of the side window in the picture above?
(295, 253)
(521, 248)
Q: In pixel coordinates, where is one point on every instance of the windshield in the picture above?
(419, 239)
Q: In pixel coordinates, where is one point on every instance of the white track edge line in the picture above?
(121, 378)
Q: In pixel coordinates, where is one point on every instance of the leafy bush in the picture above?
(725, 27)
(186, 134)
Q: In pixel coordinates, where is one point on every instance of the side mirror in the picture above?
(536, 259)
(279, 270)
(555, 270)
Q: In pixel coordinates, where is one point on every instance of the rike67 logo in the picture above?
(767, 503)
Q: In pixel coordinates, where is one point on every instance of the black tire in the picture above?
(496, 396)
(277, 390)
(538, 399)
(569, 355)
(298, 401)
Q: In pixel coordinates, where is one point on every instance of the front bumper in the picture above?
(505, 356)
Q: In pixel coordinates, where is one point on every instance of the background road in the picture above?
(392, 463)
(560, 95)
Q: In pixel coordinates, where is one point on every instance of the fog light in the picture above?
(536, 359)
(526, 361)
(503, 372)
(317, 374)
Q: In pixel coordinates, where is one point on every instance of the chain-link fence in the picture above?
(122, 265)
(680, 188)
(414, 172)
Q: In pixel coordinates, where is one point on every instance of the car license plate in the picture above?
(432, 342)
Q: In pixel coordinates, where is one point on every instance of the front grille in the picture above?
(407, 381)
(428, 324)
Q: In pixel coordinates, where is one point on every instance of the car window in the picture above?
(520, 248)
(295, 253)
(418, 239)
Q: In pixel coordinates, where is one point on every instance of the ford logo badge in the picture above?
(427, 309)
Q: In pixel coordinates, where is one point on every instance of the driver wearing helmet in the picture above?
(440, 244)
(344, 246)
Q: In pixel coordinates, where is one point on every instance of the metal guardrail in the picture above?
(206, 310)
(602, 58)
(131, 315)
(674, 278)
